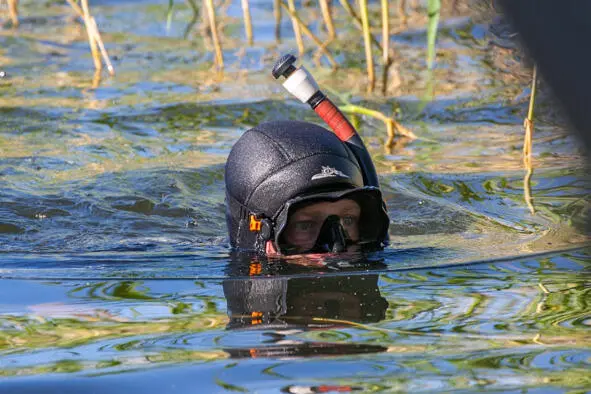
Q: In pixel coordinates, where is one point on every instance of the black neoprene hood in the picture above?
(276, 162)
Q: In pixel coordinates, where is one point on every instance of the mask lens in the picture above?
(322, 226)
(328, 222)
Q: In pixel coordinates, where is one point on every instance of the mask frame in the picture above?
(373, 223)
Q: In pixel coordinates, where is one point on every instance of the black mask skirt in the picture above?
(332, 237)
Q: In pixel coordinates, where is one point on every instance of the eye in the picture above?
(349, 220)
(304, 226)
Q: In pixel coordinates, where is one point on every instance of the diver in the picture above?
(296, 188)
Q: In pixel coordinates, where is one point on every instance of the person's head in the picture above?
(294, 187)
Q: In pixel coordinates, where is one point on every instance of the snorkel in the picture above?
(300, 83)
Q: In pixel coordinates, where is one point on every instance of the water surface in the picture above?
(114, 263)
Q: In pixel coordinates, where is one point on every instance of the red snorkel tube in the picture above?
(301, 84)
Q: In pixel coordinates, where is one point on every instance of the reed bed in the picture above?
(360, 13)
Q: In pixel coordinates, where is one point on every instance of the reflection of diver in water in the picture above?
(282, 304)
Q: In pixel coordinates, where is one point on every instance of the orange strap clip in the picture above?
(255, 224)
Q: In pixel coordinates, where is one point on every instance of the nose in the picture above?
(332, 235)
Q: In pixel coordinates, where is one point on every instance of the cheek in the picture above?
(299, 238)
(304, 239)
(353, 232)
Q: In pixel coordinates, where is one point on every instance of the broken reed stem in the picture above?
(277, 14)
(367, 41)
(322, 47)
(96, 56)
(219, 58)
(296, 26)
(528, 124)
(13, 11)
(392, 126)
(247, 22)
(327, 15)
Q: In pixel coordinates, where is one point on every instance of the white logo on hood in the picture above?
(328, 172)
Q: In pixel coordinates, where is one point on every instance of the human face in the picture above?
(303, 225)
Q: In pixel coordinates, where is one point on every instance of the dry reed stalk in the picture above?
(194, 17)
(367, 41)
(321, 46)
(320, 51)
(454, 7)
(392, 126)
(345, 4)
(277, 14)
(96, 56)
(386, 58)
(103, 50)
(205, 28)
(385, 32)
(402, 12)
(76, 8)
(358, 22)
(327, 16)
(247, 22)
(219, 58)
(13, 11)
(94, 31)
(296, 26)
(528, 124)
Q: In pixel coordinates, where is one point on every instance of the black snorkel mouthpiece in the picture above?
(300, 83)
(332, 237)
(284, 66)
